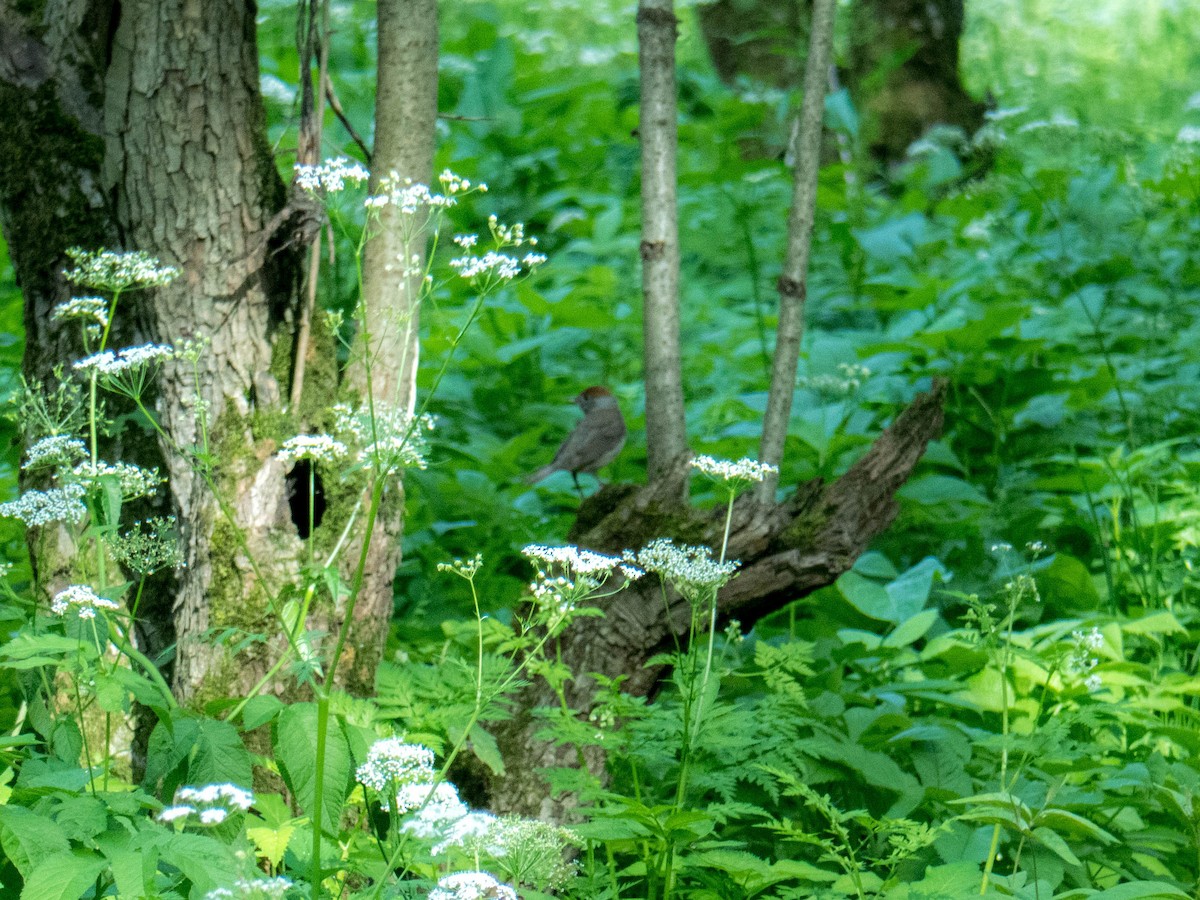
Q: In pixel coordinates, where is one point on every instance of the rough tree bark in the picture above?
(913, 44)
(140, 126)
(195, 184)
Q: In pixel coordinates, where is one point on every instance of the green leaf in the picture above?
(28, 838)
(204, 861)
(486, 749)
(63, 876)
(296, 752)
(219, 755)
(82, 818)
(28, 651)
(931, 490)
(1053, 842)
(911, 629)
(1066, 583)
(133, 858)
(260, 710)
(1142, 890)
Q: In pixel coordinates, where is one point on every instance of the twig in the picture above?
(336, 105)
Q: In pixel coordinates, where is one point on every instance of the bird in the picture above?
(594, 443)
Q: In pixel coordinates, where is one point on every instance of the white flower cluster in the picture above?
(745, 469)
(392, 764)
(435, 812)
(58, 449)
(494, 264)
(390, 438)
(471, 831)
(148, 546)
(108, 271)
(408, 196)
(83, 598)
(92, 310)
(849, 379)
(566, 576)
(331, 176)
(691, 570)
(63, 504)
(210, 805)
(503, 266)
(1081, 660)
(317, 447)
(252, 889)
(528, 850)
(109, 363)
(573, 559)
(471, 886)
(456, 184)
(509, 235)
(134, 480)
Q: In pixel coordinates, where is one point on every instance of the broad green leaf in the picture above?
(63, 876)
(28, 838)
(271, 842)
(911, 629)
(295, 739)
(219, 756)
(1054, 842)
(260, 710)
(1161, 622)
(204, 861)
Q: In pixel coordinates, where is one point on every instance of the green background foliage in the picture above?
(862, 744)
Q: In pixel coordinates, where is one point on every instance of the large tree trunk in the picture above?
(195, 184)
(141, 127)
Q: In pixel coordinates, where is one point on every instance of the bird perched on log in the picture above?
(594, 443)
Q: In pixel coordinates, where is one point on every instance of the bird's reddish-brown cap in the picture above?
(596, 390)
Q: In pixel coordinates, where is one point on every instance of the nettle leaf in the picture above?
(28, 838)
(188, 749)
(295, 742)
(63, 876)
(204, 861)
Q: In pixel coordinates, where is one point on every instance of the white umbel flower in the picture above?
(745, 469)
(471, 886)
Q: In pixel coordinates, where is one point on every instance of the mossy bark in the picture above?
(140, 126)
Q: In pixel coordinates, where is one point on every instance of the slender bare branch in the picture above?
(666, 432)
(335, 103)
(793, 280)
